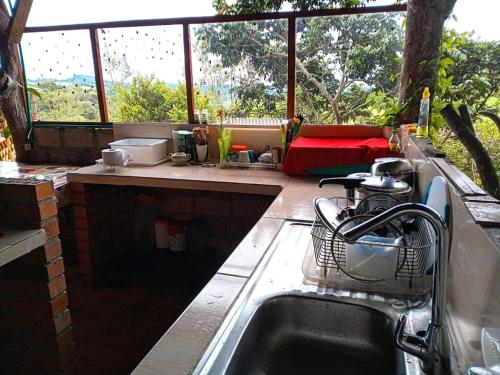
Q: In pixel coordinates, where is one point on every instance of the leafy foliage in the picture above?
(64, 102)
(254, 6)
(340, 61)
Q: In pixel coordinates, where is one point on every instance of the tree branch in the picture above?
(476, 149)
(465, 116)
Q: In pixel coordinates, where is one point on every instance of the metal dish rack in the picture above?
(413, 252)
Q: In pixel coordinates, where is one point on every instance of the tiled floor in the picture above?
(118, 323)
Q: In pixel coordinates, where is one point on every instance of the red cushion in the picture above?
(305, 153)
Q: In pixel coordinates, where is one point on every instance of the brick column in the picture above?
(35, 321)
(103, 228)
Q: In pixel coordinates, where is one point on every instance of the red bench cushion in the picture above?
(307, 153)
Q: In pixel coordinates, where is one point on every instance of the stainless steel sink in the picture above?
(297, 335)
(283, 324)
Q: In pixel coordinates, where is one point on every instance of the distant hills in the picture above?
(83, 80)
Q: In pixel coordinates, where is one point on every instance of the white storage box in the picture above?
(145, 151)
(379, 261)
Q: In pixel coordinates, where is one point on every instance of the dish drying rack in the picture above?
(417, 244)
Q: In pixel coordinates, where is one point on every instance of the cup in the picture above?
(244, 157)
(276, 153)
(202, 152)
(116, 156)
(179, 157)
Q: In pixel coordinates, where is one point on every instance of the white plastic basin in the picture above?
(145, 151)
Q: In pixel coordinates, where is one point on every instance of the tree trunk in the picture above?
(13, 106)
(463, 131)
(424, 30)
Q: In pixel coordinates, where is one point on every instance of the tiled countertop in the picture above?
(180, 349)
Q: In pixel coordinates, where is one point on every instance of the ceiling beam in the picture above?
(18, 20)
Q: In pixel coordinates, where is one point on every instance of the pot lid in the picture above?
(385, 184)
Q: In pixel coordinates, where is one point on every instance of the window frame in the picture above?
(186, 22)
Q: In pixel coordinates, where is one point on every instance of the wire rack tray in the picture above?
(413, 252)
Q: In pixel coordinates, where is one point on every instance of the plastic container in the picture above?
(373, 261)
(423, 117)
(161, 234)
(145, 151)
(177, 238)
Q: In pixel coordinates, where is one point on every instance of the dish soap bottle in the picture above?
(423, 117)
(394, 144)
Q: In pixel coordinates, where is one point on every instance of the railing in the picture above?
(186, 22)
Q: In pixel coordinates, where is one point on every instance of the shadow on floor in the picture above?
(142, 294)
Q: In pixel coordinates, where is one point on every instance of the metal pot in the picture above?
(399, 168)
(359, 186)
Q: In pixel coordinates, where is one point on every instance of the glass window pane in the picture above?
(59, 67)
(143, 70)
(348, 67)
(242, 67)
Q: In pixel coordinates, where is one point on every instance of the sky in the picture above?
(60, 55)
(478, 15)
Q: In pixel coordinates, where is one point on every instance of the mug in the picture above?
(116, 156)
(202, 153)
(179, 157)
(244, 157)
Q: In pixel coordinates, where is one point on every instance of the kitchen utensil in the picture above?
(202, 152)
(180, 158)
(399, 168)
(244, 157)
(115, 156)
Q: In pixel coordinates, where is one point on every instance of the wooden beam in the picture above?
(292, 54)
(188, 67)
(18, 20)
(99, 80)
(224, 18)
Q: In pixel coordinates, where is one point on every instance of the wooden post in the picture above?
(99, 80)
(292, 53)
(188, 66)
(18, 20)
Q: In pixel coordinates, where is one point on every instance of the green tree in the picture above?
(336, 56)
(65, 102)
(148, 99)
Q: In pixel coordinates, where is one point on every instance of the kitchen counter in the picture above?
(180, 349)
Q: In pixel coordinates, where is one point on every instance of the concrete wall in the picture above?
(473, 293)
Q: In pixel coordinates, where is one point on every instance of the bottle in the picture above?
(394, 144)
(423, 117)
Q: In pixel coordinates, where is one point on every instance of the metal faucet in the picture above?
(429, 347)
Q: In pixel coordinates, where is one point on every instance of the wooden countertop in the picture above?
(182, 346)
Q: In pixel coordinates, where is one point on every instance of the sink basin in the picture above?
(282, 325)
(297, 335)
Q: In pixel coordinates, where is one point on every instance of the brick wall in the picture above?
(103, 230)
(216, 222)
(35, 321)
(69, 146)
